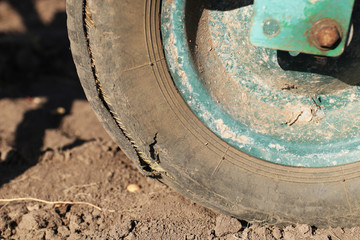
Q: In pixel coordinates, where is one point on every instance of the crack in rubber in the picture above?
(143, 163)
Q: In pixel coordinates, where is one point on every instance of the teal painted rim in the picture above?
(315, 124)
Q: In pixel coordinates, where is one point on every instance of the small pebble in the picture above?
(60, 110)
(276, 232)
(32, 207)
(226, 225)
(133, 188)
(37, 100)
(303, 229)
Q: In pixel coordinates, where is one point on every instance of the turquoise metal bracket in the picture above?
(287, 25)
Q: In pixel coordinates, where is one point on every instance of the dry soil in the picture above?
(54, 151)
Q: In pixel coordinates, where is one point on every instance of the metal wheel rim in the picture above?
(330, 140)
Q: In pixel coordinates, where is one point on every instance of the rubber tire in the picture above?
(117, 50)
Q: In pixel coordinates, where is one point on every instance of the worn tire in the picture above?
(117, 50)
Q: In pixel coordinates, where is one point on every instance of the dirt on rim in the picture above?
(54, 151)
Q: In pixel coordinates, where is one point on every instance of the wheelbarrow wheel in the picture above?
(131, 83)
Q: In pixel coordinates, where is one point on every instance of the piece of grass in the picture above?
(30, 199)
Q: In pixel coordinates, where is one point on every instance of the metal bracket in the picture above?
(317, 27)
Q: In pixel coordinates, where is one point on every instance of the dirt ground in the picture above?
(54, 151)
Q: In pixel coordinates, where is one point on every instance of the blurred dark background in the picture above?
(36, 65)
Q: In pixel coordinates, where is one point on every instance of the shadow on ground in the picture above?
(36, 63)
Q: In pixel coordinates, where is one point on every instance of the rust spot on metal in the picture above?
(325, 34)
(328, 36)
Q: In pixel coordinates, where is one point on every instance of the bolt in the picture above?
(325, 34)
(328, 36)
(271, 27)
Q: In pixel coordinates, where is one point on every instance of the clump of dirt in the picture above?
(53, 148)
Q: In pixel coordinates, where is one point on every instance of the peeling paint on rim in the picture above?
(225, 132)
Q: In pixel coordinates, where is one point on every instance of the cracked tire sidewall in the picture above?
(117, 50)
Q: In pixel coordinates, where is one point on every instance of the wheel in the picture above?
(239, 129)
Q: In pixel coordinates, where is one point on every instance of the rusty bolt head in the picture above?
(325, 34)
(328, 36)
